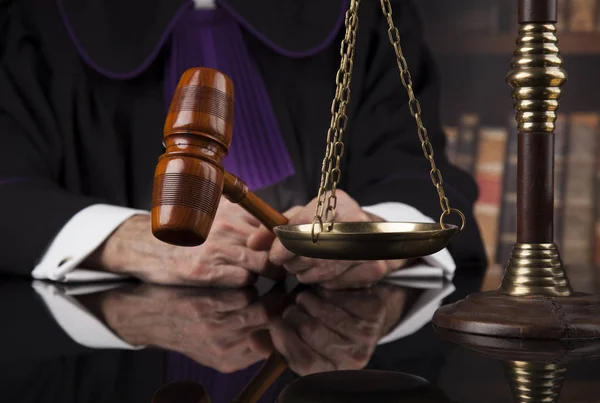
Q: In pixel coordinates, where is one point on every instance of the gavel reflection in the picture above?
(189, 178)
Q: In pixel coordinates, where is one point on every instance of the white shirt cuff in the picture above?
(80, 236)
(436, 265)
(83, 327)
(420, 313)
(205, 4)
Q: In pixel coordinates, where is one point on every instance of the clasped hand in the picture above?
(237, 250)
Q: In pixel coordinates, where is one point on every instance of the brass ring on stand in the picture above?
(457, 211)
(312, 231)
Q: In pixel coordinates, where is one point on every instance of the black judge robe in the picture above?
(82, 110)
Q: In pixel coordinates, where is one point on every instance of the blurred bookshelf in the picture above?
(447, 44)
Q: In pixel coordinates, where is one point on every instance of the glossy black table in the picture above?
(121, 342)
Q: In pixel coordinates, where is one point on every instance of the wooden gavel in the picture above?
(189, 178)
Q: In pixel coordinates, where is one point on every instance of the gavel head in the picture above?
(188, 180)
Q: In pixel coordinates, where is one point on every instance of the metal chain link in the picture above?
(334, 150)
(330, 168)
(415, 110)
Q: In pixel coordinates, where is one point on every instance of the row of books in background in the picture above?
(500, 16)
(489, 153)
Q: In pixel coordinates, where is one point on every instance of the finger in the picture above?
(299, 356)
(339, 320)
(325, 271)
(254, 261)
(362, 275)
(218, 276)
(226, 358)
(261, 239)
(300, 263)
(210, 300)
(231, 228)
(228, 333)
(294, 211)
(323, 267)
(279, 254)
(229, 346)
(227, 338)
(251, 220)
(341, 352)
(264, 237)
(230, 210)
(363, 303)
(247, 218)
(242, 321)
(327, 313)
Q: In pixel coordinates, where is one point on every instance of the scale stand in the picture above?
(535, 299)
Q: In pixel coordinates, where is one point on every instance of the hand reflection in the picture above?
(231, 329)
(336, 330)
(216, 328)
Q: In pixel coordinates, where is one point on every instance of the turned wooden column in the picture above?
(536, 77)
(535, 186)
(537, 11)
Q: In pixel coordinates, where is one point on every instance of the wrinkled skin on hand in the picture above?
(336, 330)
(216, 328)
(313, 329)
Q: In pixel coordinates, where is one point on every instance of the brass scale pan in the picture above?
(367, 240)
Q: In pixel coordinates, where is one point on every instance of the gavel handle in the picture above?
(268, 373)
(236, 191)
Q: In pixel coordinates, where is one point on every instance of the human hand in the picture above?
(333, 274)
(223, 260)
(219, 328)
(336, 330)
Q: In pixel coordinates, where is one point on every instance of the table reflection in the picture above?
(314, 329)
(221, 337)
(121, 342)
